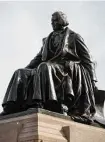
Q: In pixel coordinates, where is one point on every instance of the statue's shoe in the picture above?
(3, 113)
(82, 119)
(36, 105)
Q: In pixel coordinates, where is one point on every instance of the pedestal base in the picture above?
(40, 125)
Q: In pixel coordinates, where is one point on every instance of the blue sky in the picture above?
(24, 24)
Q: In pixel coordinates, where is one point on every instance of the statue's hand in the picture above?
(94, 86)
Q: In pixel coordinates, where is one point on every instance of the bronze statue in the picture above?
(60, 78)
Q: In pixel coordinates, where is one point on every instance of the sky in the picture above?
(24, 24)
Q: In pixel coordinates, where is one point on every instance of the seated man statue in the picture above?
(60, 78)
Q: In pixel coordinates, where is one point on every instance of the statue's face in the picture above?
(55, 22)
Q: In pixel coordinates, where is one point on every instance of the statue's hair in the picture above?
(62, 18)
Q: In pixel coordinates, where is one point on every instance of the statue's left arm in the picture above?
(85, 57)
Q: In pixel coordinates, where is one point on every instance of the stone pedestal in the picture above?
(39, 125)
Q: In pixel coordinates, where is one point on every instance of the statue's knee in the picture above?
(43, 66)
(19, 70)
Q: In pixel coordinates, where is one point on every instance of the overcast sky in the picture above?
(24, 24)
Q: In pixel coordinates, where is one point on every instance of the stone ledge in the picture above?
(33, 111)
(39, 125)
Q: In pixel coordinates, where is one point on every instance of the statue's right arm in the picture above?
(36, 61)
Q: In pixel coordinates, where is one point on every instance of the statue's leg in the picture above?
(44, 88)
(82, 108)
(34, 96)
(43, 83)
(16, 90)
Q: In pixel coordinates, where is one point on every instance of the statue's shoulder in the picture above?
(76, 35)
(71, 33)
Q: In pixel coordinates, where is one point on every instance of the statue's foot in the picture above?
(82, 119)
(36, 105)
(11, 107)
(3, 113)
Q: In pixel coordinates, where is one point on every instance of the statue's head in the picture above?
(59, 20)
